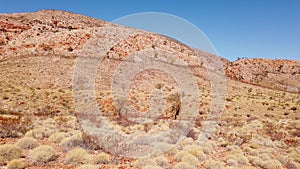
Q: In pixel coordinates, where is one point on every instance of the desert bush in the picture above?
(197, 152)
(183, 165)
(264, 156)
(251, 151)
(88, 166)
(190, 159)
(294, 154)
(37, 133)
(231, 159)
(42, 154)
(211, 144)
(79, 156)
(289, 163)
(49, 132)
(162, 161)
(186, 141)
(141, 162)
(271, 164)
(238, 156)
(9, 152)
(71, 142)
(172, 152)
(179, 155)
(152, 167)
(103, 158)
(2, 161)
(243, 160)
(236, 151)
(207, 150)
(57, 137)
(27, 143)
(231, 162)
(256, 161)
(15, 164)
(212, 164)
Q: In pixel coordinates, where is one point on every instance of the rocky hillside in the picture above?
(249, 118)
(64, 34)
(275, 74)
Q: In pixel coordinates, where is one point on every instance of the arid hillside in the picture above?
(275, 74)
(56, 66)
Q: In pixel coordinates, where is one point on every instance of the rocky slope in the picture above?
(40, 51)
(275, 74)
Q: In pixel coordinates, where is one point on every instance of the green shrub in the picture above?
(42, 154)
(15, 164)
(9, 152)
(79, 156)
(27, 143)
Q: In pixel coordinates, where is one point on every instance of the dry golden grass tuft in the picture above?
(9, 152)
(79, 156)
(141, 162)
(15, 164)
(213, 164)
(88, 166)
(42, 154)
(183, 165)
(27, 143)
(103, 158)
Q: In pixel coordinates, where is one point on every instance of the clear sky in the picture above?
(237, 28)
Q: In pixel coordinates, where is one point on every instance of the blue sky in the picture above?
(257, 28)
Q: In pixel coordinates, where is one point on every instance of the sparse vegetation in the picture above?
(88, 166)
(183, 165)
(27, 143)
(57, 137)
(152, 167)
(9, 152)
(71, 142)
(162, 161)
(141, 162)
(212, 164)
(15, 164)
(103, 158)
(79, 156)
(42, 154)
(190, 159)
(258, 128)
